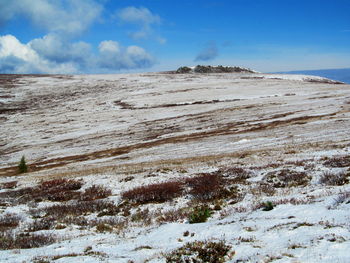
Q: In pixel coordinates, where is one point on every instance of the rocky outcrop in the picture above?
(212, 69)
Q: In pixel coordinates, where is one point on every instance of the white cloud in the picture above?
(112, 56)
(53, 48)
(208, 53)
(142, 16)
(64, 17)
(52, 55)
(16, 57)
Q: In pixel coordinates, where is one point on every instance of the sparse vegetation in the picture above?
(11, 241)
(338, 161)
(201, 252)
(159, 192)
(9, 221)
(287, 178)
(335, 179)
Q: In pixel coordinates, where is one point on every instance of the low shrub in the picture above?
(62, 184)
(335, 179)
(78, 208)
(8, 221)
(236, 174)
(338, 161)
(287, 178)
(173, 215)
(101, 227)
(20, 241)
(95, 192)
(159, 192)
(200, 252)
(206, 186)
(343, 197)
(199, 215)
(41, 224)
(52, 190)
(267, 206)
(9, 185)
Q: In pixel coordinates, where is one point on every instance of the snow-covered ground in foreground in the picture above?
(125, 131)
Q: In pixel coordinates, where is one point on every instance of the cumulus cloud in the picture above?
(56, 49)
(208, 53)
(143, 18)
(16, 57)
(64, 17)
(52, 55)
(112, 56)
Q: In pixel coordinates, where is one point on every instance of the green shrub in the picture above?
(200, 252)
(22, 166)
(267, 206)
(199, 215)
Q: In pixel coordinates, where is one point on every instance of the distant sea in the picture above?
(335, 74)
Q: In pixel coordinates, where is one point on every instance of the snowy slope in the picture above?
(287, 134)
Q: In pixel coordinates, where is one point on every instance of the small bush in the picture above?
(343, 197)
(21, 241)
(199, 215)
(22, 166)
(338, 161)
(41, 224)
(287, 178)
(206, 186)
(95, 192)
(267, 206)
(200, 252)
(236, 174)
(62, 184)
(8, 221)
(9, 185)
(160, 192)
(101, 227)
(173, 215)
(335, 179)
(78, 208)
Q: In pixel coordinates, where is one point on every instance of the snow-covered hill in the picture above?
(224, 146)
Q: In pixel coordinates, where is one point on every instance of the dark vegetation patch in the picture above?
(202, 187)
(58, 190)
(337, 161)
(9, 240)
(159, 192)
(200, 251)
(212, 69)
(199, 215)
(287, 178)
(9, 221)
(9, 185)
(335, 179)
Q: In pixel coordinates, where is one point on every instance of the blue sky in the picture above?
(111, 36)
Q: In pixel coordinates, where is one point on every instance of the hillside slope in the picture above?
(263, 158)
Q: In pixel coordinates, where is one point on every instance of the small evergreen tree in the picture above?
(22, 167)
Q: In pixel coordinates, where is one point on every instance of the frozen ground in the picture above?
(124, 131)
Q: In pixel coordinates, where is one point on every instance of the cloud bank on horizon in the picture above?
(104, 36)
